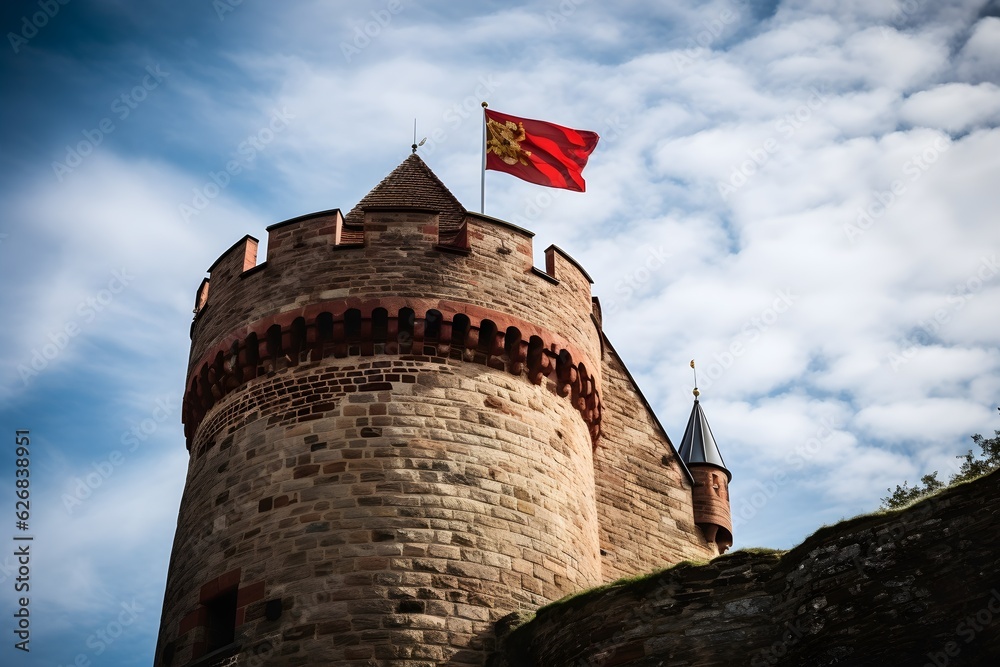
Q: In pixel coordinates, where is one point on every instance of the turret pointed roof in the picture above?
(412, 183)
(698, 445)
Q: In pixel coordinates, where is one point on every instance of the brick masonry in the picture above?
(401, 433)
(426, 510)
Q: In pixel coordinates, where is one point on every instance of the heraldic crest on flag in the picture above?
(504, 140)
(537, 151)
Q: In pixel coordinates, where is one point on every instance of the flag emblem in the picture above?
(504, 140)
(537, 151)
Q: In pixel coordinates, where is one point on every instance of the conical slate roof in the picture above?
(412, 183)
(698, 445)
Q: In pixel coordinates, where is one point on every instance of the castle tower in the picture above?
(395, 434)
(711, 479)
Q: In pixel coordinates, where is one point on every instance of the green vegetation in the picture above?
(755, 551)
(971, 468)
(618, 583)
(637, 580)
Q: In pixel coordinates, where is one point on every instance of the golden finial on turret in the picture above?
(695, 391)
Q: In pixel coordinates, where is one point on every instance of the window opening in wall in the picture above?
(432, 326)
(220, 623)
(380, 325)
(352, 324)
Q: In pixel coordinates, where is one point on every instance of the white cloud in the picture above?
(978, 58)
(896, 60)
(954, 107)
(110, 256)
(932, 420)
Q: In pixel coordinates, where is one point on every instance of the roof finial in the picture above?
(695, 371)
(415, 145)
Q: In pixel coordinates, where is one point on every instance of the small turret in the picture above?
(711, 478)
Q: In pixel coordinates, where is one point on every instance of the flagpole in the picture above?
(482, 176)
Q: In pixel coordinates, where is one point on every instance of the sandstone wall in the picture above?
(916, 587)
(430, 500)
(643, 490)
(391, 444)
(392, 447)
(401, 258)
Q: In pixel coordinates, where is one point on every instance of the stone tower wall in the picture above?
(711, 504)
(391, 443)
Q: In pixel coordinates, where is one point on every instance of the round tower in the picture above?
(391, 425)
(710, 493)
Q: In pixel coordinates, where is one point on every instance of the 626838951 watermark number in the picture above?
(22, 541)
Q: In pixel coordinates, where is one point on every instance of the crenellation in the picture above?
(309, 264)
(313, 231)
(240, 257)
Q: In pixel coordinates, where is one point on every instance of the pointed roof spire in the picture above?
(412, 183)
(698, 445)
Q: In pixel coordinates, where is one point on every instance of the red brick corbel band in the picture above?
(392, 326)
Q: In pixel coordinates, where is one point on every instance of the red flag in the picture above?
(538, 152)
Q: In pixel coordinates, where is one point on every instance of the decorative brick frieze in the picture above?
(351, 327)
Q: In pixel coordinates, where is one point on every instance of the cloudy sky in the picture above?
(800, 195)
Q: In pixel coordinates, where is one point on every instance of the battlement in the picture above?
(399, 276)
(396, 230)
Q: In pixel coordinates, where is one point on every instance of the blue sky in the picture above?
(800, 195)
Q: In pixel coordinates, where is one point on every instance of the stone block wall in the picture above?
(400, 258)
(391, 444)
(644, 498)
(920, 586)
(418, 508)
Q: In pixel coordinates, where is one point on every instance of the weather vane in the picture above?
(415, 145)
